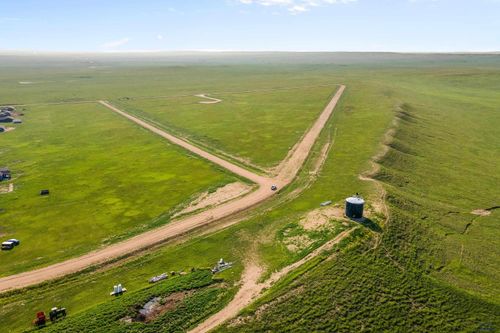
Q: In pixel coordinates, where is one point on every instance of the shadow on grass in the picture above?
(366, 222)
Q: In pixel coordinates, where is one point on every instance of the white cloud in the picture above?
(159, 37)
(116, 43)
(295, 6)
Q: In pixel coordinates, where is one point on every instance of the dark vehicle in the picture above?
(6, 119)
(7, 245)
(44, 192)
(4, 174)
(15, 241)
(56, 313)
(274, 188)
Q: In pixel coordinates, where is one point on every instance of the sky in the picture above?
(250, 25)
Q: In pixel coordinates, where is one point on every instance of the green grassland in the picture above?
(264, 231)
(108, 179)
(436, 267)
(423, 275)
(272, 120)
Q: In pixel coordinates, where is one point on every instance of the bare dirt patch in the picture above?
(157, 306)
(297, 243)
(168, 303)
(6, 188)
(320, 218)
(221, 195)
(481, 212)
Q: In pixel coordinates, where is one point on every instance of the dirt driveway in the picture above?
(286, 174)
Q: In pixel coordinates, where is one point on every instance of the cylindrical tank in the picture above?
(354, 207)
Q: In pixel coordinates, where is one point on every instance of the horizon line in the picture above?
(207, 51)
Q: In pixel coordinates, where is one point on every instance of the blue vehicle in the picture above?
(15, 241)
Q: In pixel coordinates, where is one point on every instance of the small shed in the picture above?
(4, 173)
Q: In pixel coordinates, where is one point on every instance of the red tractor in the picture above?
(40, 320)
(54, 314)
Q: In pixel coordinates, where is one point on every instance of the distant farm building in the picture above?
(5, 113)
(4, 173)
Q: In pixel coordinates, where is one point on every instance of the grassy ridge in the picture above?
(96, 197)
(427, 274)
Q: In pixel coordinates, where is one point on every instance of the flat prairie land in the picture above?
(429, 266)
(272, 229)
(257, 126)
(108, 179)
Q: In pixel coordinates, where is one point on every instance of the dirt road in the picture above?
(181, 226)
(261, 180)
(209, 100)
(251, 289)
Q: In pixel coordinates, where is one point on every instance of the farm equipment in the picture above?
(40, 320)
(157, 278)
(326, 203)
(117, 290)
(56, 313)
(221, 266)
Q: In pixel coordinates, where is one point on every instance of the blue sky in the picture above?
(250, 25)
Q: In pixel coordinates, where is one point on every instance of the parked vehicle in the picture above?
(56, 313)
(8, 245)
(15, 241)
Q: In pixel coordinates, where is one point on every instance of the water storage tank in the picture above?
(354, 207)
